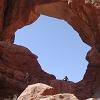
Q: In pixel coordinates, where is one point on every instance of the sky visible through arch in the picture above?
(59, 48)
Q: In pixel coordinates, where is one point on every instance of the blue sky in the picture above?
(59, 48)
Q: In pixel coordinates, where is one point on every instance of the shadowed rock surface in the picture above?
(19, 68)
(63, 86)
(82, 15)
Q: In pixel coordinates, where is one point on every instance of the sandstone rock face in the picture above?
(63, 86)
(35, 91)
(65, 96)
(90, 99)
(43, 92)
(19, 68)
(15, 14)
(82, 15)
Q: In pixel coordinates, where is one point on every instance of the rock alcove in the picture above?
(83, 16)
(58, 46)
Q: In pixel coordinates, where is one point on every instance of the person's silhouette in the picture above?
(66, 78)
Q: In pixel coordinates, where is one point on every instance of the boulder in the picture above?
(19, 67)
(43, 92)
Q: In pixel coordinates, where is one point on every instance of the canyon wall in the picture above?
(19, 68)
(82, 15)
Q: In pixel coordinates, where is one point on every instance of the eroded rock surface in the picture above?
(43, 92)
(19, 68)
(82, 15)
(63, 86)
(15, 14)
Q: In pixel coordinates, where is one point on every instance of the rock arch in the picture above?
(83, 16)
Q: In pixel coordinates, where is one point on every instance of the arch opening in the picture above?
(60, 50)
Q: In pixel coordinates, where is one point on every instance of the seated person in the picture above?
(66, 78)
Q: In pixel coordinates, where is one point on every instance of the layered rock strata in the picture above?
(19, 68)
(82, 15)
(43, 92)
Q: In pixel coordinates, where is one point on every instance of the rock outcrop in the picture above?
(43, 92)
(19, 68)
(15, 14)
(82, 15)
(63, 86)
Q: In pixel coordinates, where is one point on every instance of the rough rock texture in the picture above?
(90, 99)
(63, 86)
(43, 92)
(15, 14)
(19, 68)
(82, 15)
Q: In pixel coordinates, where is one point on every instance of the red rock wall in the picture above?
(15, 14)
(82, 15)
(19, 68)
